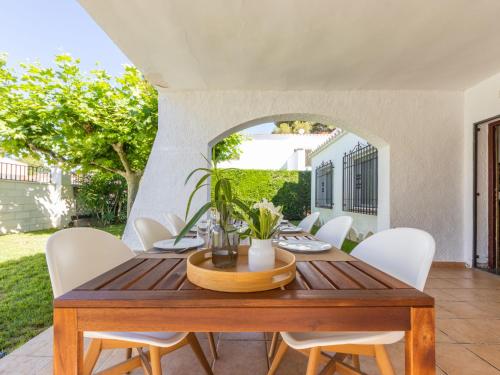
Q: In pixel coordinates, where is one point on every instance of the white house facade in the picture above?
(332, 178)
(388, 74)
(276, 151)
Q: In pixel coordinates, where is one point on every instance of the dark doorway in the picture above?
(487, 195)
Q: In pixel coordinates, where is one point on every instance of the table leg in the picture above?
(420, 342)
(68, 343)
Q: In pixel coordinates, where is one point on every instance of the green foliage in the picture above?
(229, 148)
(104, 196)
(263, 219)
(302, 127)
(67, 117)
(224, 199)
(289, 189)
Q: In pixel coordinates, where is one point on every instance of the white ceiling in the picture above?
(306, 44)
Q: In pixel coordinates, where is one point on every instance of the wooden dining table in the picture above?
(152, 293)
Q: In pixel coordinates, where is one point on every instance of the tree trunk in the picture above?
(133, 180)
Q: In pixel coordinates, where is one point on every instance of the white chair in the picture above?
(308, 222)
(404, 253)
(150, 231)
(174, 223)
(77, 255)
(335, 230)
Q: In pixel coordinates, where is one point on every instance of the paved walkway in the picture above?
(468, 338)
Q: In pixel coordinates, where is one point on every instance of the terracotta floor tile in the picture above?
(456, 359)
(241, 357)
(471, 330)
(460, 309)
(490, 353)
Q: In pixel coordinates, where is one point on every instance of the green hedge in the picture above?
(289, 189)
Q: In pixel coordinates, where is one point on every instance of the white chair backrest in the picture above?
(308, 222)
(174, 223)
(335, 230)
(405, 253)
(150, 231)
(77, 255)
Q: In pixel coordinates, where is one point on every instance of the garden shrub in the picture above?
(289, 189)
(104, 197)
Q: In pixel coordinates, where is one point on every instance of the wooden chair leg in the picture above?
(91, 356)
(274, 343)
(213, 347)
(383, 360)
(314, 359)
(155, 358)
(128, 354)
(198, 351)
(278, 357)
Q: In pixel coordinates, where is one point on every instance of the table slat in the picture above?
(106, 277)
(132, 275)
(360, 277)
(381, 276)
(313, 277)
(336, 277)
(174, 278)
(150, 279)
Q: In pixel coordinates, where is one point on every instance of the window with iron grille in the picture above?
(324, 185)
(360, 185)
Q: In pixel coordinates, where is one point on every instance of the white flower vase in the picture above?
(261, 255)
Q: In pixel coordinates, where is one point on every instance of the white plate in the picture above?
(304, 246)
(182, 244)
(290, 229)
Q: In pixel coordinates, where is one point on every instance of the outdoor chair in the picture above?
(150, 231)
(404, 253)
(308, 222)
(335, 231)
(174, 223)
(77, 255)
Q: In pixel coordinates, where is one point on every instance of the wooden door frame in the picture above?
(492, 194)
(494, 122)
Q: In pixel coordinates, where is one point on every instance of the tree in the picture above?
(302, 127)
(229, 148)
(89, 121)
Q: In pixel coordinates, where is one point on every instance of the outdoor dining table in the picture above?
(151, 293)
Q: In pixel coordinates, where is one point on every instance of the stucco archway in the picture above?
(383, 215)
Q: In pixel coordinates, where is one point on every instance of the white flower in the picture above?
(269, 206)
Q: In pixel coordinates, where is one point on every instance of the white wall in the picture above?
(29, 206)
(344, 143)
(273, 151)
(423, 130)
(480, 102)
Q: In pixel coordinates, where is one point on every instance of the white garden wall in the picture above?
(28, 206)
(345, 142)
(422, 130)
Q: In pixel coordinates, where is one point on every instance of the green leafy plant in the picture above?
(263, 220)
(74, 119)
(104, 196)
(224, 200)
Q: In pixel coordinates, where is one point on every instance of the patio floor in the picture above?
(468, 338)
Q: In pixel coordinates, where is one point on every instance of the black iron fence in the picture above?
(360, 185)
(28, 173)
(324, 185)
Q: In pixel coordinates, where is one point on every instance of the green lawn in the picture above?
(25, 292)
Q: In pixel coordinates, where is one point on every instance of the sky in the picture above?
(32, 30)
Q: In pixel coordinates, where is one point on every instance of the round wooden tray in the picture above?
(202, 272)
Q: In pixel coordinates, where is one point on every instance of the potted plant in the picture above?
(263, 220)
(224, 237)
